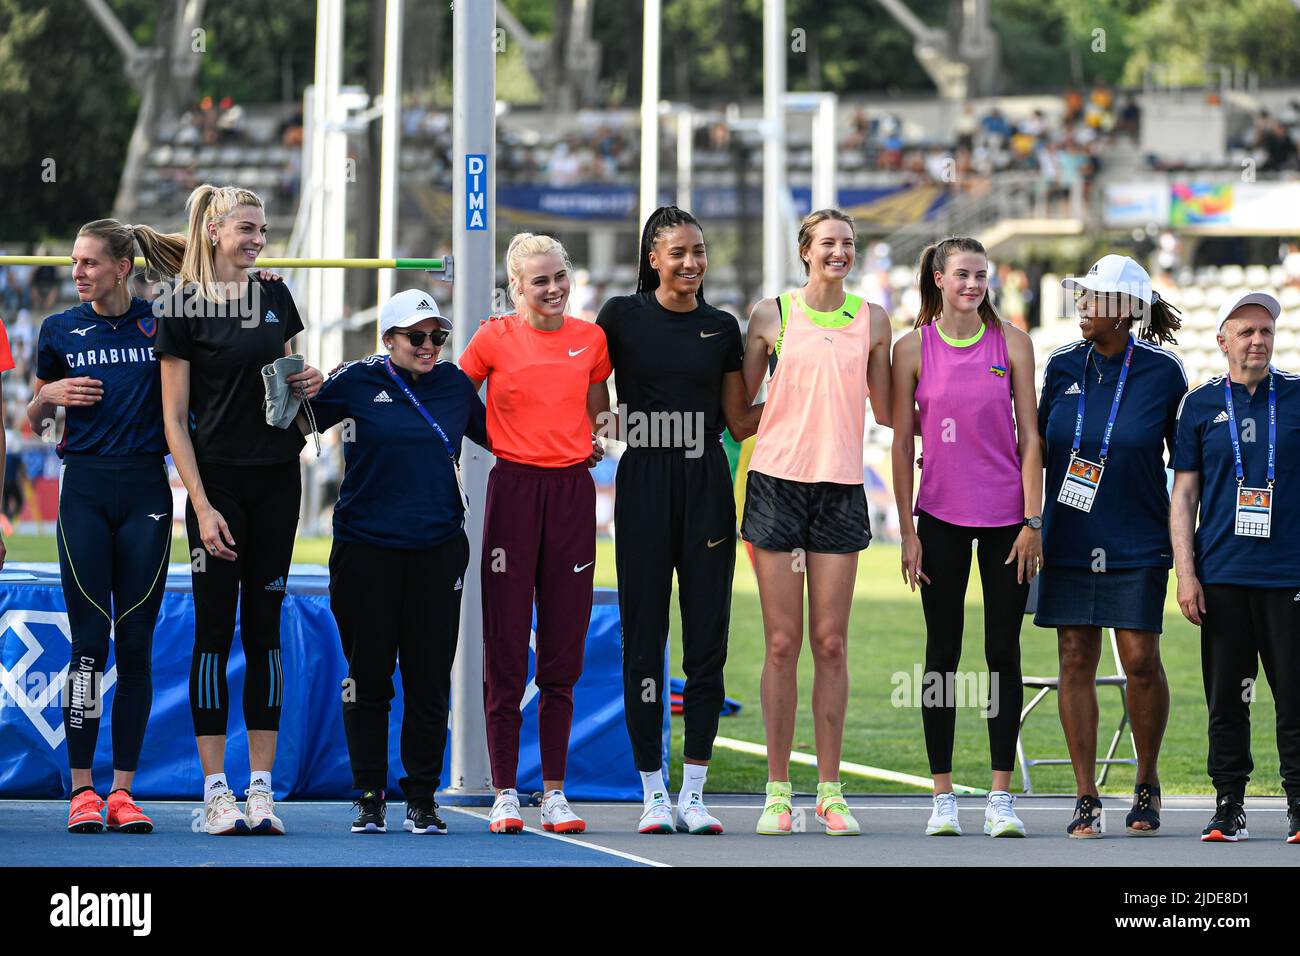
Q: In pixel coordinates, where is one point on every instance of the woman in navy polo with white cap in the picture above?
(398, 560)
(1238, 463)
(1107, 414)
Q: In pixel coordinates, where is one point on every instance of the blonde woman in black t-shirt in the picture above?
(216, 333)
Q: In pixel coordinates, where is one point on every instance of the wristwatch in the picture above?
(1036, 522)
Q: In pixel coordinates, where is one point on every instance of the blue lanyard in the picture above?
(1114, 405)
(388, 364)
(1272, 427)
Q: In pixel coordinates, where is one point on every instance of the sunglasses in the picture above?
(437, 339)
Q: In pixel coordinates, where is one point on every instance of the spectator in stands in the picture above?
(1106, 535)
(995, 124)
(6, 364)
(1073, 106)
(44, 288)
(1278, 147)
(1291, 263)
(1130, 118)
(1238, 573)
(14, 476)
(966, 127)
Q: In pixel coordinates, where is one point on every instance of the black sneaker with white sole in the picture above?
(373, 810)
(422, 817)
(1228, 825)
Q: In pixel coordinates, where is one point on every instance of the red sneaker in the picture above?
(125, 816)
(86, 815)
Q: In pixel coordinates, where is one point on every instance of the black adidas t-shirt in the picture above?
(666, 362)
(227, 345)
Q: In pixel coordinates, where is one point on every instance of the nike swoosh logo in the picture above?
(82, 332)
(714, 544)
(709, 335)
(577, 568)
(579, 352)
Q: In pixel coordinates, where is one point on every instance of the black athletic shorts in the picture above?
(822, 516)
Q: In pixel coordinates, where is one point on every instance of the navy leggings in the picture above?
(114, 538)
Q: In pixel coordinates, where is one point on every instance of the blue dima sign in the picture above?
(476, 191)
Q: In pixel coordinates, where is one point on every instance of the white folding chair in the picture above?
(1045, 685)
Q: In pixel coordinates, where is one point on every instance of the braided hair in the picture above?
(662, 219)
(1163, 320)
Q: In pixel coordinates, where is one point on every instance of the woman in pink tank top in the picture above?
(805, 508)
(971, 376)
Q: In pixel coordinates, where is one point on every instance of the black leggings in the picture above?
(945, 559)
(114, 538)
(260, 505)
(397, 607)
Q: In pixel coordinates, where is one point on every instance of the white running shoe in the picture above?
(1000, 818)
(221, 816)
(505, 817)
(694, 817)
(657, 816)
(259, 809)
(943, 820)
(558, 816)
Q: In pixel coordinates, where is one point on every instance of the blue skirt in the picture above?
(1130, 598)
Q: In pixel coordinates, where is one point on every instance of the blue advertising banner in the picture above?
(312, 757)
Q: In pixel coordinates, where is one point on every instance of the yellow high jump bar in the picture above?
(433, 265)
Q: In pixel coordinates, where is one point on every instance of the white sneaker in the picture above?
(558, 816)
(505, 817)
(221, 817)
(657, 817)
(1000, 818)
(694, 817)
(259, 809)
(943, 820)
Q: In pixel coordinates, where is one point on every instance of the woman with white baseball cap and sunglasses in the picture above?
(398, 559)
(1107, 414)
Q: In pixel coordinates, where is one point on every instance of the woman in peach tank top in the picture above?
(805, 507)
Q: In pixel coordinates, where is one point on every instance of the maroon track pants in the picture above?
(539, 543)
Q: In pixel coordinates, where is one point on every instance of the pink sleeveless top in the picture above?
(971, 470)
(813, 422)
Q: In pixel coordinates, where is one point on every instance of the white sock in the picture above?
(214, 784)
(260, 780)
(693, 776)
(652, 783)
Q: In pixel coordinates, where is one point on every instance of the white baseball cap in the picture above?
(1115, 274)
(409, 308)
(1249, 298)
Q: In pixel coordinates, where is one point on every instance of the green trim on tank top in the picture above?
(960, 343)
(837, 319)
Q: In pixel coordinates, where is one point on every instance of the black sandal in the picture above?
(1146, 809)
(1087, 813)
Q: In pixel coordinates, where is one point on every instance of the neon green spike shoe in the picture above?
(833, 812)
(777, 817)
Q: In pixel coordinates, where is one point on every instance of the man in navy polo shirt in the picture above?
(1237, 455)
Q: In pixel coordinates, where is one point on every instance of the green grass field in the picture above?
(887, 636)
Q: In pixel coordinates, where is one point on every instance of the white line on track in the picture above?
(570, 840)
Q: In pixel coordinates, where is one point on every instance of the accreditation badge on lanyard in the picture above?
(1083, 477)
(1254, 505)
(451, 452)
